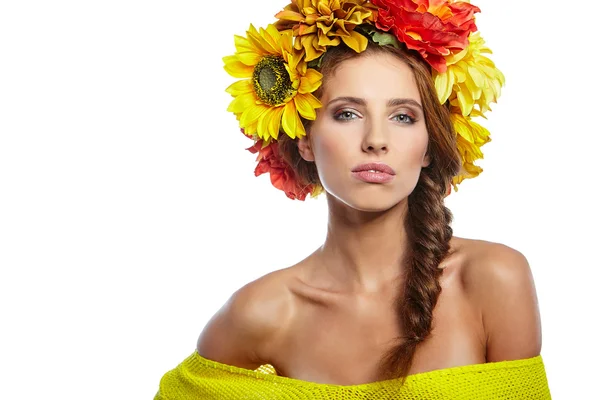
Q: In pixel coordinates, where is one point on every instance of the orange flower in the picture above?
(435, 28)
(320, 23)
(282, 175)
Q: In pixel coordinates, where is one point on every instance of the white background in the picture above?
(129, 211)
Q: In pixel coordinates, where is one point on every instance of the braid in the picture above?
(428, 227)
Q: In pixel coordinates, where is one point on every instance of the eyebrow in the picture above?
(391, 102)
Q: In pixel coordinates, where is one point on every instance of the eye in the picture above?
(345, 115)
(404, 118)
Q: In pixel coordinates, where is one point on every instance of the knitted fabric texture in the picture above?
(199, 378)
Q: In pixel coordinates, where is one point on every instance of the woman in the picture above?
(371, 103)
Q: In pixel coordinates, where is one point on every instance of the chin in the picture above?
(376, 205)
(369, 200)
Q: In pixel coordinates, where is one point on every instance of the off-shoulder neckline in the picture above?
(450, 371)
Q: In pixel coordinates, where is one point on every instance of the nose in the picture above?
(375, 139)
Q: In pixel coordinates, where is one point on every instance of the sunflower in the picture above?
(278, 86)
(321, 23)
(471, 80)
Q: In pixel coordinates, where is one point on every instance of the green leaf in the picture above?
(383, 38)
(379, 37)
(316, 63)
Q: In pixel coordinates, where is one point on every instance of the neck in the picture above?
(363, 251)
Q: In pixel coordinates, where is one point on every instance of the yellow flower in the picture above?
(470, 136)
(321, 23)
(471, 79)
(278, 84)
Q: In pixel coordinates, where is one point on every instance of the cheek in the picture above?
(331, 153)
(335, 151)
(334, 141)
(412, 148)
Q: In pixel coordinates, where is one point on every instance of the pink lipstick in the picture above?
(374, 173)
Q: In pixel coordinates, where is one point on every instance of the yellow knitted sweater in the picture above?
(200, 378)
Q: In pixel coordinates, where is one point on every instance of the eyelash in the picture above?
(337, 116)
(411, 119)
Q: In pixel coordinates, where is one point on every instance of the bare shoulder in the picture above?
(498, 280)
(240, 332)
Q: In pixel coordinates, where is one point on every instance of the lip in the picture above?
(385, 173)
(373, 177)
(381, 167)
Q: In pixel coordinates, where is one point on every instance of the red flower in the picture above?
(282, 175)
(435, 28)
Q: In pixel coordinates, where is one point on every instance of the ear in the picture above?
(426, 161)
(305, 149)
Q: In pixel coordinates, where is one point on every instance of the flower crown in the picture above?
(279, 70)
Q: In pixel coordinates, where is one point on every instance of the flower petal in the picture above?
(465, 101)
(262, 127)
(291, 121)
(310, 81)
(442, 87)
(242, 102)
(251, 115)
(274, 122)
(289, 15)
(240, 87)
(304, 107)
(271, 39)
(236, 68)
(249, 58)
(356, 41)
(242, 44)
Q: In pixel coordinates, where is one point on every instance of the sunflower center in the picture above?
(271, 81)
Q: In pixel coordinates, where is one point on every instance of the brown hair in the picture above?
(428, 220)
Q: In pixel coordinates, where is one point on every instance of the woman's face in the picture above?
(372, 113)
